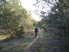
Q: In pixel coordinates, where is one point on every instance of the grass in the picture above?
(15, 47)
(40, 42)
(40, 49)
(18, 45)
(2, 37)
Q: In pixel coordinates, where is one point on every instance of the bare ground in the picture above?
(46, 42)
(17, 45)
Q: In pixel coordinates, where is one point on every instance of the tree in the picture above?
(14, 18)
(56, 18)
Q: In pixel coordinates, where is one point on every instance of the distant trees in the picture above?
(14, 18)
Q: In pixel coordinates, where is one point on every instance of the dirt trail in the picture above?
(17, 45)
(26, 49)
(47, 42)
(29, 45)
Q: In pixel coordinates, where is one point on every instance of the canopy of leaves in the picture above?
(56, 18)
(14, 18)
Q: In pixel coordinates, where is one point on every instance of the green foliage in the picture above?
(57, 18)
(66, 31)
(14, 18)
(1, 47)
(35, 23)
